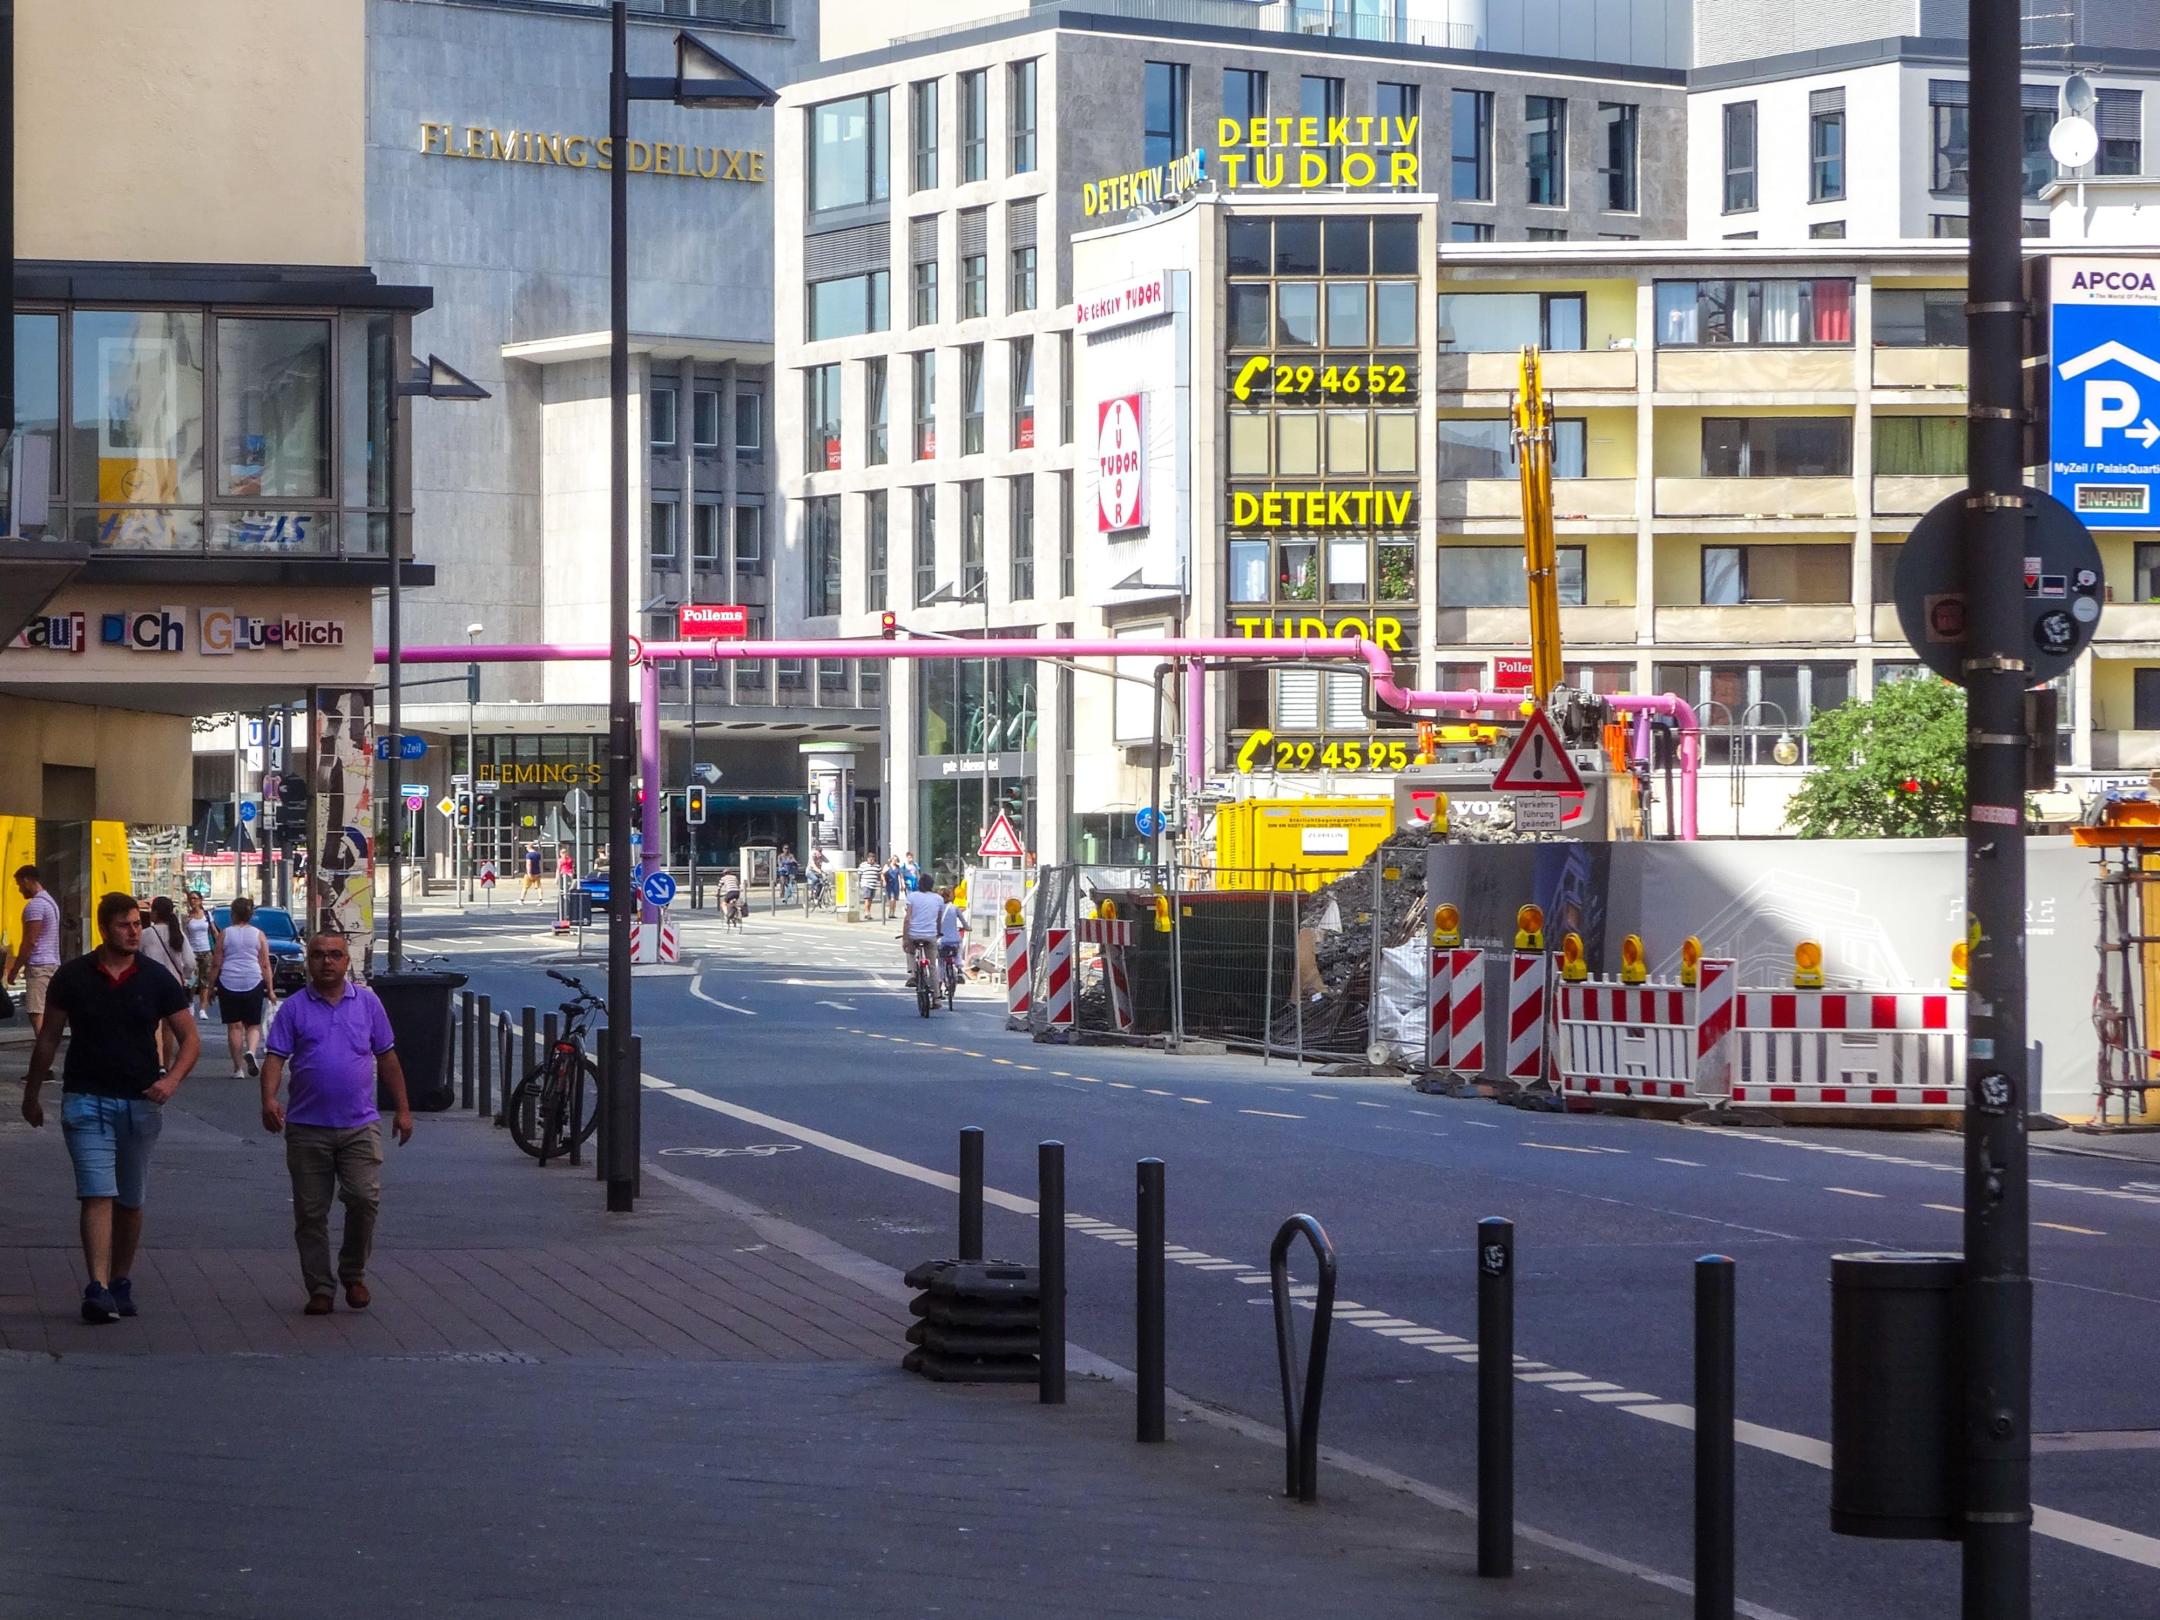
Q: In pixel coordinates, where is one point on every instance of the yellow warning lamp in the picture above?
(1162, 914)
(959, 894)
(1428, 741)
(1107, 911)
(1530, 928)
(1633, 969)
(1959, 956)
(1012, 914)
(1807, 965)
(1447, 927)
(1572, 965)
(1690, 960)
(1438, 824)
(1527, 707)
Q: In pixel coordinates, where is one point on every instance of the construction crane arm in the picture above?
(1533, 437)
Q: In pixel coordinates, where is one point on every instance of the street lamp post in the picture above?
(472, 762)
(702, 78)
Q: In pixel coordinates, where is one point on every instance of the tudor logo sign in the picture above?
(1121, 463)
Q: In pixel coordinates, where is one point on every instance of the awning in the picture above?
(32, 573)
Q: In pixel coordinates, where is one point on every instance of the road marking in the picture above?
(1089, 1078)
(1757, 1175)
(2058, 1226)
(1005, 1062)
(1152, 1092)
(1584, 1386)
(1618, 1396)
(1122, 1086)
(1947, 1209)
(1481, 1124)
(1060, 1073)
(1692, 1164)
(1553, 1377)
(1269, 1113)
(1031, 1068)
(1852, 1192)
(964, 1052)
(1321, 1096)
(697, 988)
(1202, 1101)
(1371, 1105)
(1556, 1147)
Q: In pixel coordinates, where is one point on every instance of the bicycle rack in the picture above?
(1301, 1419)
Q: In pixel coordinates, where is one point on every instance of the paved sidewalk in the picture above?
(689, 1411)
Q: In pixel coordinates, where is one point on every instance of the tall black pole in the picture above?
(622, 1092)
(396, 734)
(7, 236)
(1996, 1296)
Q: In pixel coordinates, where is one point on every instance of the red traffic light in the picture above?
(888, 625)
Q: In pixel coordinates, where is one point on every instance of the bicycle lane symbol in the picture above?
(756, 1150)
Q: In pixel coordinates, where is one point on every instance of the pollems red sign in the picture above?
(1121, 463)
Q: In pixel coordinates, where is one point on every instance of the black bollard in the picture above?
(1050, 1260)
(1714, 1437)
(1496, 1397)
(1149, 1255)
(465, 1051)
(971, 1193)
(600, 1136)
(529, 1022)
(637, 1116)
(484, 1089)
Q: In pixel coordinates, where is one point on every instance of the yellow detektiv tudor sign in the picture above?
(1323, 508)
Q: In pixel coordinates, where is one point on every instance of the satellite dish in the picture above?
(2073, 142)
(2077, 96)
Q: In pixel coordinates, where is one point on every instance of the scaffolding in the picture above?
(2126, 835)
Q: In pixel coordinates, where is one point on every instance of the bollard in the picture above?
(1714, 1276)
(465, 1051)
(971, 1193)
(637, 1116)
(529, 1024)
(600, 1061)
(1149, 1255)
(502, 1059)
(1496, 1397)
(484, 1087)
(1050, 1262)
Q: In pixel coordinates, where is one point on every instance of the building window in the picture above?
(1545, 233)
(923, 134)
(1244, 100)
(1751, 705)
(1920, 318)
(1470, 146)
(974, 286)
(925, 543)
(749, 423)
(975, 125)
(2119, 117)
(1762, 312)
(1065, 390)
(660, 530)
(1484, 447)
(1020, 101)
(1023, 394)
(273, 409)
(1776, 447)
(749, 539)
(849, 306)
(1321, 97)
(821, 548)
(925, 405)
(1501, 323)
(705, 419)
(660, 417)
(972, 579)
(1739, 157)
(1065, 533)
(877, 539)
(971, 400)
(1733, 576)
(876, 412)
(2145, 572)
(2145, 699)
(1164, 112)
(705, 532)
(1022, 538)
(1619, 123)
(1394, 106)
(821, 419)
(1827, 230)
(1464, 230)
(1826, 145)
(1023, 278)
(1492, 576)
(1920, 446)
(1545, 150)
(847, 152)
(2038, 104)
(1950, 125)
(924, 310)
(1948, 225)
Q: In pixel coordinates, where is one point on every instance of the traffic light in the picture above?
(464, 808)
(292, 807)
(889, 625)
(693, 801)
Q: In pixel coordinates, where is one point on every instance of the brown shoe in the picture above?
(320, 1305)
(356, 1295)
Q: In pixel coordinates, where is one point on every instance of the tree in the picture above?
(1891, 767)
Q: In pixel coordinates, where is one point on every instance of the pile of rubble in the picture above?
(1336, 938)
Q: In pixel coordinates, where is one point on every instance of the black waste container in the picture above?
(419, 1009)
(1894, 1395)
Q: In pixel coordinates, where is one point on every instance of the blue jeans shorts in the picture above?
(110, 1139)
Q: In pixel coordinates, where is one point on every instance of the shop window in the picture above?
(274, 408)
(137, 428)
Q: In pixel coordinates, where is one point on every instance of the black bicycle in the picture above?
(558, 1104)
(817, 893)
(919, 952)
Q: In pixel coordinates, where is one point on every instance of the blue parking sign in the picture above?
(2104, 390)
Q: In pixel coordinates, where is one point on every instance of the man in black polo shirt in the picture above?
(114, 999)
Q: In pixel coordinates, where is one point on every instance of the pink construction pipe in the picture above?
(1371, 654)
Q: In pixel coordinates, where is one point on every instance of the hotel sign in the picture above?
(553, 149)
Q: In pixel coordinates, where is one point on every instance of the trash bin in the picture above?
(419, 1009)
(1894, 1395)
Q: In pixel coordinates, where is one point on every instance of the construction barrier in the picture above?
(1529, 973)
(1438, 994)
(1670, 1042)
(1112, 935)
(1019, 983)
(1850, 1048)
(1059, 1003)
(653, 943)
(1456, 1042)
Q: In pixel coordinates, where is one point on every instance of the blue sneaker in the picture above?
(98, 1304)
(123, 1293)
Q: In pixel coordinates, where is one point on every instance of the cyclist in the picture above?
(786, 873)
(730, 895)
(952, 931)
(919, 924)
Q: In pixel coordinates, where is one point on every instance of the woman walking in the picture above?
(241, 967)
(200, 943)
(165, 943)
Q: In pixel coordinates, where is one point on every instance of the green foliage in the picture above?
(1866, 754)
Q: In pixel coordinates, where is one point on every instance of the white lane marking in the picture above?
(1852, 1192)
(2058, 1226)
(1372, 1105)
(1153, 1092)
(1692, 1164)
(1757, 1175)
(1120, 1085)
(1204, 1102)
(1583, 1386)
(1553, 1377)
(1269, 1113)
(1621, 1395)
(1555, 1147)
(1947, 1209)
(2134, 1193)
(1481, 1124)
(843, 1006)
(697, 988)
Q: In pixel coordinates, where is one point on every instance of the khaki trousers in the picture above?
(325, 1160)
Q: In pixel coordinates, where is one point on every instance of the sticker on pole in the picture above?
(1537, 763)
(659, 889)
(1001, 839)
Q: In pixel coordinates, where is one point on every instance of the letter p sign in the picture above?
(2108, 404)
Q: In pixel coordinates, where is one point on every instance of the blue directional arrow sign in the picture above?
(2104, 390)
(247, 809)
(659, 889)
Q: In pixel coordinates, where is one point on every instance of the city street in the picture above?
(796, 1039)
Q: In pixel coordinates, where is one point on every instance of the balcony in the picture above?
(1502, 498)
(1897, 494)
(1755, 497)
(1798, 624)
(1510, 626)
(1730, 370)
(1920, 368)
(2126, 750)
(1887, 629)
(2130, 621)
(1564, 371)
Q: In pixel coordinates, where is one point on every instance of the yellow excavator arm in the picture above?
(1533, 456)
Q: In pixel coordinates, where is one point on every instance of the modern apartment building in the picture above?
(927, 427)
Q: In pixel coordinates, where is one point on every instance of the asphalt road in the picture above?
(796, 1037)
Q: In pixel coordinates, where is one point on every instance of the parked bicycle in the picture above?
(558, 1104)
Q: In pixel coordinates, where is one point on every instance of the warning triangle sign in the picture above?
(1001, 839)
(1537, 763)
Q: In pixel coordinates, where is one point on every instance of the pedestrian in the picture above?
(37, 958)
(335, 1038)
(165, 944)
(201, 942)
(868, 882)
(892, 885)
(111, 1092)
(786, 870)
(240, 966)
(910, 874)
(565, 868)
(532, 871)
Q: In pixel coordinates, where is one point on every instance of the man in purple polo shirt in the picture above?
(336, 1038)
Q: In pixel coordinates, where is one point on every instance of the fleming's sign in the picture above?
(550, 149)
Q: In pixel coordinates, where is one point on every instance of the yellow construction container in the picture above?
(1297, 843)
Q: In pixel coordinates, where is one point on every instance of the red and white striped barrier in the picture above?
(1437, 996)
(1850, 1048)
(1661, 1041)
(1058, 1001)
(1106, 931)
(1466, 1014)
(1018, 982)
(1121, 1008)
(1717, 984)
(655, 943)
(1528, 975)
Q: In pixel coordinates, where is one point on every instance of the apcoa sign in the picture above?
(1269, 153)
(1121, 458)
(2104, 390)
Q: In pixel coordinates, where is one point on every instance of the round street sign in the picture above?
(659, 889)
(247, 809)
(1149, 821)
(2062, 588)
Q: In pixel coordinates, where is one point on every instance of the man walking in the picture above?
(38, 958)
(532, 873)
(336, 1038)
(112, 1091)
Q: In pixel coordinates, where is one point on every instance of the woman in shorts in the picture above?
(241, 966)
(201, 941)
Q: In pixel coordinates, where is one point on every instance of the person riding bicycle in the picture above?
(952, 931)
(919, 924)
(730, 893)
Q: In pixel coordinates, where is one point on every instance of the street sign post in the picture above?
(1149, 821)
(659, 890)
(447, 805)
(408, 747)
(2104, 389)
(1537, 813)
(247, 809)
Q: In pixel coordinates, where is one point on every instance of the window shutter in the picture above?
(1346, 702)
(849, 252)
(2118, 114)
(1297, 699)
(2037, 97)
(1020, 222)
(922, 239)
(1831, 100)
(1949, 93)
(974, 230)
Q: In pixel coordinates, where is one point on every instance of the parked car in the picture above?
(288, 952)
(595, 884)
